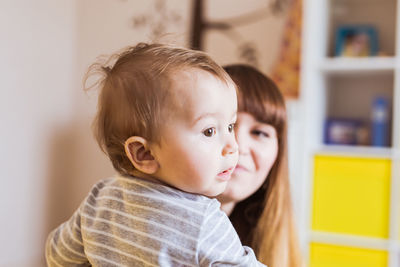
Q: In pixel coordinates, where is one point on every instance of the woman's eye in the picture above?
(231, 127)
(260, 133)
(209, 132)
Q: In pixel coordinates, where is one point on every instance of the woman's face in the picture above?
(258, 149)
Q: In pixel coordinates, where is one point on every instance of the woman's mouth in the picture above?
(240, 168)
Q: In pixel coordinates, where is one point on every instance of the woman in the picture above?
(257, 199)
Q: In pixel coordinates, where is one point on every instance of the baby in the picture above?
(166, 120)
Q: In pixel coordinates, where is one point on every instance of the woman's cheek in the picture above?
(266, 157)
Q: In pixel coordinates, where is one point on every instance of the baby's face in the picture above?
(198, 151)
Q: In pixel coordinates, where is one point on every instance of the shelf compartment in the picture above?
(351, 196)
(350, 98)
(377, 13)
(324, 255)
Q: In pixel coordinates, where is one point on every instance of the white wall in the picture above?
(38, 59)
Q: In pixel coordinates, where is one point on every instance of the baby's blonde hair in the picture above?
(134, 93)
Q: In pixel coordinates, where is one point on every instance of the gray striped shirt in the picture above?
(128, 221)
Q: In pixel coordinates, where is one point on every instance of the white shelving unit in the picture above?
(324, 77)
(354, 65)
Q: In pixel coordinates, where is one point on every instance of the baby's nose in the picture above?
(231, 146)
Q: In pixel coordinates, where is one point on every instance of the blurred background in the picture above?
(335, 61)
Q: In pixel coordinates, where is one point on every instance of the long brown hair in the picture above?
(264, 220)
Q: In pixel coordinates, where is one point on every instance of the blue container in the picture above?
(380, 122)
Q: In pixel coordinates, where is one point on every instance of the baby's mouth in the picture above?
(226, 174)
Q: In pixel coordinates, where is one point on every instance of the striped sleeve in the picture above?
(64, 246)
(219, 244)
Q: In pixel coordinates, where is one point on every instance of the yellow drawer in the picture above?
(351, 195)
(322, 255)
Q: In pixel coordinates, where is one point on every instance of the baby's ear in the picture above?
(138, 152)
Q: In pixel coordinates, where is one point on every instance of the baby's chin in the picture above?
(234, 192)
(216, 192)
(227, 196)
(236, 177)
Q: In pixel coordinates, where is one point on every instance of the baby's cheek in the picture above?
(203, 169)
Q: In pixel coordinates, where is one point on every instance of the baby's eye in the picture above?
(209, 132)
(231, 127)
